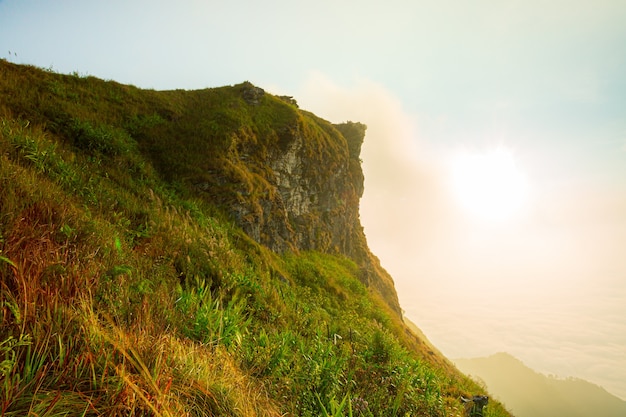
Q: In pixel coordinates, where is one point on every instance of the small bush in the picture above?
(102, 139)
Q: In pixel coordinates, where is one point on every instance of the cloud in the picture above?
(546, 289)
(402, 175)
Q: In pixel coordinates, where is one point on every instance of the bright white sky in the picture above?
(436, 82)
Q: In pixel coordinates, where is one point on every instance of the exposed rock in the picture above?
(313, 203)
(354, 132)
(474, 406)
(252, 94)
(322, 202)
(289, 99)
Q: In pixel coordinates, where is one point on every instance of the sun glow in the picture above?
(489, 184)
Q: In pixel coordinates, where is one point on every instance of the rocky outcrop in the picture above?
(312, 196)
(318, 195)
(251, 94)
(291, 180)
(298, 186)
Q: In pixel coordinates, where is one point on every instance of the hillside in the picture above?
(530, 394)
(194, 253)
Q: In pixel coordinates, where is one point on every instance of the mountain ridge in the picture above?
(530, 393)
(194, 253)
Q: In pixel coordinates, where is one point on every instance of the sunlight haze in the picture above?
(488, 184)
(494, 159)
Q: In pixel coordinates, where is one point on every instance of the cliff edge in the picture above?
(291, 180)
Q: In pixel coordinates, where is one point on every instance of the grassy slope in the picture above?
(122, 293)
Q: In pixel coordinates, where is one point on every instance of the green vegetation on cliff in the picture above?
(157, 258)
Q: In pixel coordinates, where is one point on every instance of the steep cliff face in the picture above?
(291, 180)
(298, 181)
(313, 186)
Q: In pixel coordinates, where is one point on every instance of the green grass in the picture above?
(126, 292)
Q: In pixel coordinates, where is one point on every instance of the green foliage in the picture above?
(7, 350)
(125, 293)
(209, 319)
(103, 139)
(337, 408)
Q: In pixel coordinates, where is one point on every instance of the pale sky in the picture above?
(542, 81)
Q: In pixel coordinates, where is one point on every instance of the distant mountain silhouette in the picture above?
(527, 393)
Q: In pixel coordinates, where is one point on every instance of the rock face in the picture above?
(318, 195)
(291, 180)
(300, 183)
(294, 185)
(252, 94)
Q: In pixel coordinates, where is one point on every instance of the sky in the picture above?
(495, 155)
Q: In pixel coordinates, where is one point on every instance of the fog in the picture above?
(547, 287)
